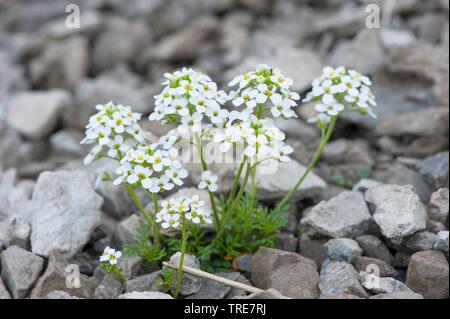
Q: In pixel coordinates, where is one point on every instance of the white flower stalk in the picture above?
(208, 181)
(110, 256)
(154, 167)
(264, 89)
(175, 210)
(188, 97)
(341, 90)
(114, 129)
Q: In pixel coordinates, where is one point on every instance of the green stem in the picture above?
(235, 183)
(183, 251)
(325, 139)
(150, 222)
(236, 200)
(205, 168)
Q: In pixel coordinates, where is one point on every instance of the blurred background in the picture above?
(51, 76)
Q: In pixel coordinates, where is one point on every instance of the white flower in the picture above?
(209, 181)
(171, 220)
(176, 175)
(116, 146)
(191, 122)
(282, 109)
(110, 256)
(331, 107)
(92, 155)
(255, 144)
(217, 116)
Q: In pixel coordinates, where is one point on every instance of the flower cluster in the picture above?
(261, 139)
(262, 85)
(153, 167)
(339, 90)
(191, 209)
(188, 97)
(114, 127)
(110, 256)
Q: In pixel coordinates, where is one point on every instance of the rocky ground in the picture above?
(371, 222)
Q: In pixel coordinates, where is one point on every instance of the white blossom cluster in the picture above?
(187, 98)
(110, 256)
(261, 139)
(192, 209)
(339, 90)
(154, 167)
(264, 88)
(113, 127)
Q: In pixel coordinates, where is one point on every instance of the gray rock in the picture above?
(396, 38)
(420, 241)
(14, 233)
(382, 285)
(211, 289)
(61, 64)
(267, 294)
(343, 151)
(190, 284)
(342, 249)
(439, 206)
(144, 283)
(66, 212)
(442, 242)
(20, 269)
(121, 42)
(398, 210)
(145, 295)
(4, 293)
(435, 170)
(411, 123)
(341, 297)
(402, 260)
(110, 287)
(127, 230)
(35, 114)
(365, 184)
(67, 142)
(398, 295)
(286, 242)
(364, 53)
(57, 294)
(374, 247)
(244, 263)
(280, 182)
(339, 277)
(62, 276)
(374, 266)
(311, 246)
(435, 227)
(131, 266)
(184, 44)
(344, 216)
(428, 274)
(291, 274)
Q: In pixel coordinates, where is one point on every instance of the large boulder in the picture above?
(65, 212)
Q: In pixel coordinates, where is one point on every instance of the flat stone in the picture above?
(438, 207)
(62, 276)
(337, 277)
(283, 179)
(66, 210)
(365, 184)
(144, 283)
(398, 295)
(4, 293)
(420, 241)
(190, 284)
(428, 274)
(376, 266)
(398, 210)
(110, 288)
(343, 249)
(145, 295)
(344, 216)
(374, 247)
(435, 170)
(215, 290)
(442, 242)
(382, 285)
(20, 270)
(35, 114)
(15, 233)
(291, 274)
